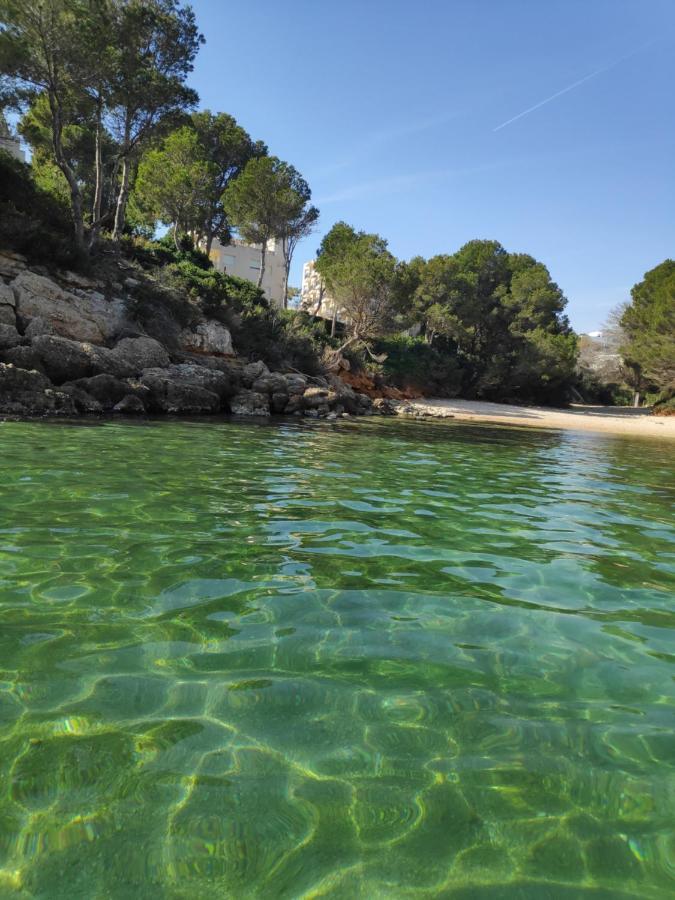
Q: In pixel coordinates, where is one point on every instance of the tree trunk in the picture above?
(62, 163)
(209, 242)
(263, 253)
(122, 198)
(636, 398)
(174, 232)
(334, 322)
(123, 193)
(98, 189)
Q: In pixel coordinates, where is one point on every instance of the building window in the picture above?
(255, 266)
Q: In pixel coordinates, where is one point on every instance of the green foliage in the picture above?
(32, 220)
(191, 273)
(269, 199)
(360, 274)
(100, 74)
(502, 316)
(181, 180)
(649, 324)
(414, 363)
(283, 339)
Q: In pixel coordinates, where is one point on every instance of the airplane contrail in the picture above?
(570, 87)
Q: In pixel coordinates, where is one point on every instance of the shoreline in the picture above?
(619, 420)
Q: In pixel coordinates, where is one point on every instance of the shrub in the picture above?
(413, 363)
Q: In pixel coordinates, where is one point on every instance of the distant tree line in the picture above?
(497, 315)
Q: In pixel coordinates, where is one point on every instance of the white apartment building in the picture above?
(313, 296)
(243, 260)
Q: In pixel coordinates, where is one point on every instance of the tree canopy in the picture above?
(265, 202)
(359, 272)
(649, 325)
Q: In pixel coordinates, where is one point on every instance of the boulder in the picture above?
(271, 383)
(24, 392)
(7, 315)
(84, 403)
(62, 359)
(166, 394)
(279, 402)
(384, 406)
(132, 355)
(316, 397)
(207, 337)
(38, 326)
(295, 383)
(11, 264)
(7, 297)
(21, 381)
(294, 405)
(252, 372)
(22, 357)
(250, 403)
(106, 389)
(66, 360)
(9, 337)
(75, 314)
(130, 405)
(192, 375)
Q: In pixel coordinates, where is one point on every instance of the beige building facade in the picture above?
(243, 261)
(313, 295)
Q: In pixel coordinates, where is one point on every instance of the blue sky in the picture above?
(391, 110)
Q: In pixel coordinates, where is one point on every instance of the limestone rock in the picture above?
(7, 297)
(132, 355)
(106, 389)
(130, 405)
(84, 403)
(191, 375)
(7, 315)
(270, 383)
(384, 407)
(207, 337)
(315, 397)
(38, 326)
(278, 402)
(78, 315)
(250, 403)
(11, 264)
(252, 372)
(62, 359)
(295, 383)
(24, 392)
(9, 337)
(23, 358)
(20, 381)
(175, 396)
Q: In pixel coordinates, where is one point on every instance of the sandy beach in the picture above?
(605, 419)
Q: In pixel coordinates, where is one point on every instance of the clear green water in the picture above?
(356, 661)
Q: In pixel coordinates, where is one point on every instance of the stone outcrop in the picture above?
(25, 392)
(169, 394)
(75, 314)
(207, 337)
(132, 355)
(250, 403)
(9, 337)
(69, 347)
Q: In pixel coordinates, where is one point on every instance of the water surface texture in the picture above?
(369, 660)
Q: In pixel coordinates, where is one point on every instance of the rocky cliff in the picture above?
(70, 345)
